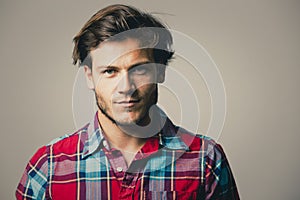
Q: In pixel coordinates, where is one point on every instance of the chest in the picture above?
(167, 176)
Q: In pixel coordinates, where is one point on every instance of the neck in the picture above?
(119, 138)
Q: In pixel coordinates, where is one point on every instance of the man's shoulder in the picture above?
(195, 141)
(67, 143)
(199, 142)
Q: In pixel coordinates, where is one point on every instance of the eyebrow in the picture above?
(116, 67)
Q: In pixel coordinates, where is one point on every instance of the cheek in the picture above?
(147, 89)
(103, 93)
(105, 88)
(144, 82)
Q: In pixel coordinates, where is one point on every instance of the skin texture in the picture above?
(124, 79)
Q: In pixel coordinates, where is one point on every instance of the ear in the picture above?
(89, 77)
(161, 71)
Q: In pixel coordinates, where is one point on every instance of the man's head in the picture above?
(116, 19)
(124, 53)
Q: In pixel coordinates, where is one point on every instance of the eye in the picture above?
(140, 70)
(109, 72)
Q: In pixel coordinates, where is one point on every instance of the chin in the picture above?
(125, 123)
(127, 120)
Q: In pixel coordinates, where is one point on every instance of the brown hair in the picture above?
(116, 19)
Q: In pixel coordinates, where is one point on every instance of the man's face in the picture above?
(124, 79)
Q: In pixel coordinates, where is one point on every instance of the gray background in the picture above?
(255, 44)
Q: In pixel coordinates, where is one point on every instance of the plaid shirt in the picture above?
(173, 164)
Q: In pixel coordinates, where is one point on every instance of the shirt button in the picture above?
(119, 169)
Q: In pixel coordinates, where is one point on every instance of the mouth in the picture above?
(128, 103)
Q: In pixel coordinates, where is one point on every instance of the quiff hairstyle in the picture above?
(116, 19)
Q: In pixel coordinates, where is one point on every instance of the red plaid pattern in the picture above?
(174, 164)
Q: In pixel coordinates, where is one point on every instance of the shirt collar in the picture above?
(93, 138)
(169, 137)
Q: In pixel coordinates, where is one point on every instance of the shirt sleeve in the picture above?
(220, 183)
(34, 180)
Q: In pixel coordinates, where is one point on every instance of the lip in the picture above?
(128, 103)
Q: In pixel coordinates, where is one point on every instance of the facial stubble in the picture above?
(140, 121)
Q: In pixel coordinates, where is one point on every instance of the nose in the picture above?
(126, 85)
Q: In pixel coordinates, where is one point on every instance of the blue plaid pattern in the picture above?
(174, 164)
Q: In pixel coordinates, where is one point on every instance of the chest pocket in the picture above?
(171, 195)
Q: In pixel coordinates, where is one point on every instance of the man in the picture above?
(130, 150)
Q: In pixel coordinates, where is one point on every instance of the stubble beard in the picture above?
(153, 96)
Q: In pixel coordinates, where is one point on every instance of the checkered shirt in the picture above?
(174, 164)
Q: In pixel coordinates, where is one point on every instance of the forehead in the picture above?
(119, 53)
